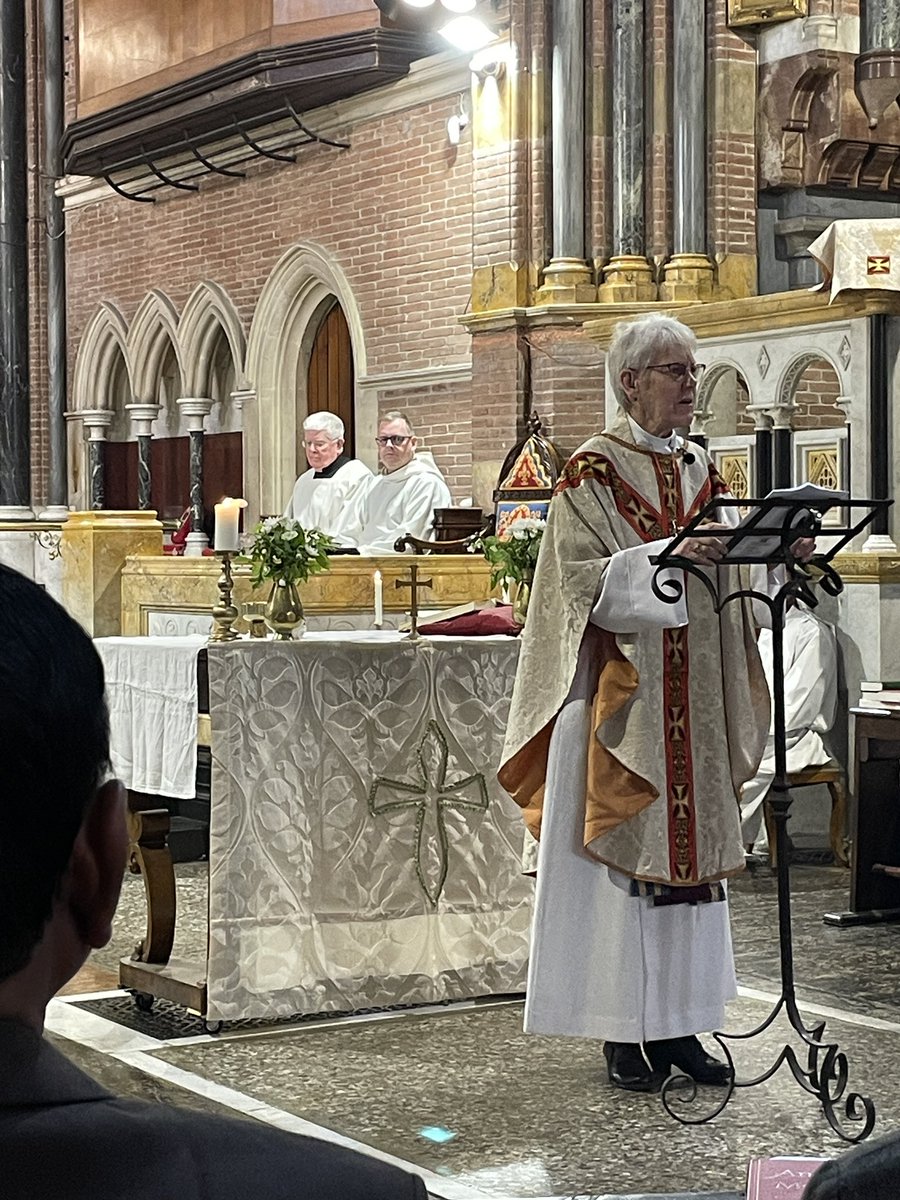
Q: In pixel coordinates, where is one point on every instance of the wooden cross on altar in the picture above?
(413, 583)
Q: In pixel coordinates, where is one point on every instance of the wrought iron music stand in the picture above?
(766, 537)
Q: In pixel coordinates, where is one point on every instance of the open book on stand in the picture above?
(768, 526)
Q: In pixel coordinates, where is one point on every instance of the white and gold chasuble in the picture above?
(679, 710)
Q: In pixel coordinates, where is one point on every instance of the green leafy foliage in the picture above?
(513, 554)
(280, 548)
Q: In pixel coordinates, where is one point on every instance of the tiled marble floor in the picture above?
(530, 1116)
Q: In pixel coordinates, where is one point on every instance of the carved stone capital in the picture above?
(142, 417)
(96, 421)
(196, 409)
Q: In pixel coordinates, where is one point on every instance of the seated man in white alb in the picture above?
(323, 497)
(403, 498)
(810, 701)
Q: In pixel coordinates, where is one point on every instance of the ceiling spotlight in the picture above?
(459, 6)
(467, 34)
(419, 3)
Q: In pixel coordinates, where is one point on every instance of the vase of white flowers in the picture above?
(282, 552)
(512, 556)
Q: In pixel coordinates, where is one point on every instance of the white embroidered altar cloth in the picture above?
(362, 853)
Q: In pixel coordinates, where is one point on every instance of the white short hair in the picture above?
(325, 422)
(637, 344)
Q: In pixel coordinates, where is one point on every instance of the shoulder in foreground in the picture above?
(868, 1172)
(235, 1159)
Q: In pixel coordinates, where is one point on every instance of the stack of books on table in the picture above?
(883, 697)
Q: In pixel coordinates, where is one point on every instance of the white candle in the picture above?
(227, 536)
(379, 599)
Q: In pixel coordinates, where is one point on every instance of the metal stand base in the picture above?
(825, 1073)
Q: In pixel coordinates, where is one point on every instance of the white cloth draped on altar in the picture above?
(151, 690)
(362, 853)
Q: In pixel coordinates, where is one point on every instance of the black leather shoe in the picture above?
(687, 1056)
(627, 1068)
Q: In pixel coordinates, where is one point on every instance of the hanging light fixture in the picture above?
(464, 31)
(467, 34)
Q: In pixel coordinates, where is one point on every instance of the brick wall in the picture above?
(814, 396)
(394, 212)
(567, 385)
(442, 417)
(731, 162)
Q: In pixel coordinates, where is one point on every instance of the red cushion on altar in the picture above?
(482, 623)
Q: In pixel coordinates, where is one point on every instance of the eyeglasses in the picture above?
(317, 445)
(677, 370)
(393, 439)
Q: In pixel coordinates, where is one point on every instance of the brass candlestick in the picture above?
(224, 614)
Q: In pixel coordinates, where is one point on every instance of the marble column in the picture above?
(55, 244)
(879, 432)
(782, 447)
(244, 400)
(142, 417)
(15, 415)
(96, 422)
(688, 274)
(196, 409)
(628, 275)
(567, 278)
(762, 459)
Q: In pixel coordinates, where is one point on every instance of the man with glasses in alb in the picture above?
(402, 499)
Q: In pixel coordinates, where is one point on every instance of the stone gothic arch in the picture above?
(104, 344)
(209, 313)
(790, 376)
(304, 281)
(101, 381)
(153, 330)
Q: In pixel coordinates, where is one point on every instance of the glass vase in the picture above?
(284, 611)
(520, 592)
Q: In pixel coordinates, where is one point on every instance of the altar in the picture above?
(362, 853)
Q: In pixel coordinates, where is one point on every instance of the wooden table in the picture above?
(874, 820)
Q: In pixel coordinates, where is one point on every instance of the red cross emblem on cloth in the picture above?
(878, 264)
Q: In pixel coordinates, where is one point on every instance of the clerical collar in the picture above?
(666, 445)
(340, 461)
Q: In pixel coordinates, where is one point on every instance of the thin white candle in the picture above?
(226, 535)
(379, 599)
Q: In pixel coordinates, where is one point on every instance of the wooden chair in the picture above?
(831, 774)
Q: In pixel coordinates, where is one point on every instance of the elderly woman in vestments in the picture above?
(634, 723)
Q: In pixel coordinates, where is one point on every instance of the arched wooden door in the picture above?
(330, 378)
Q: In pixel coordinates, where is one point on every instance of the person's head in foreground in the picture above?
(62, 827)
(323, 439)
(653, 371)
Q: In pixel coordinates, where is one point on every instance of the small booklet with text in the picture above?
(767, 528)
(780, 1178)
